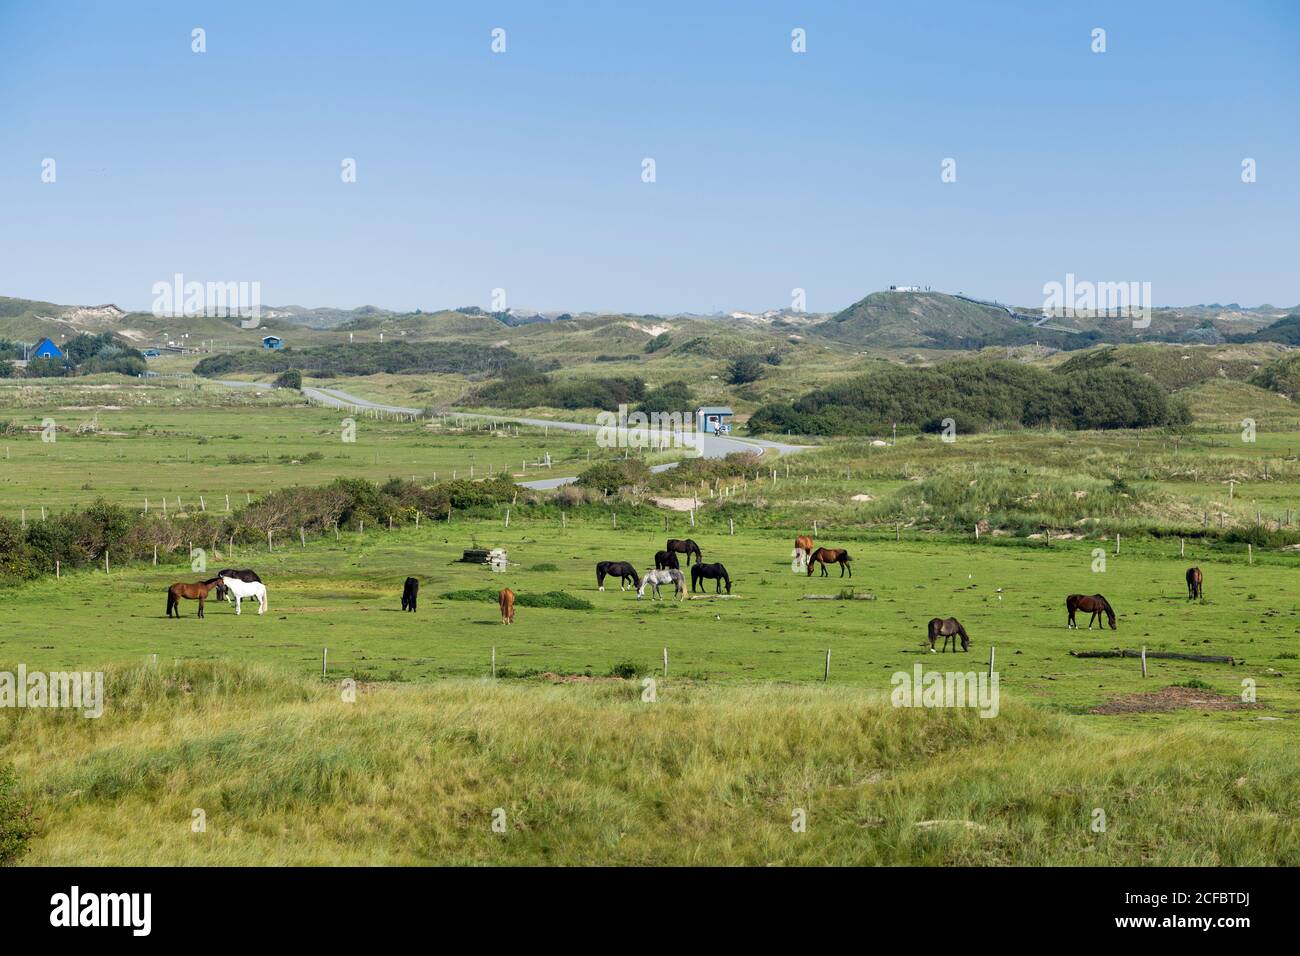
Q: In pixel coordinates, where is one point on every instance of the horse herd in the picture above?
(667, 570)
(229, 584)
(235, 585)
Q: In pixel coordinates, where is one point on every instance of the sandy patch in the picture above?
(1171, 698)
(675, 504)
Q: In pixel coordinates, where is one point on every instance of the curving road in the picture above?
(712, 446)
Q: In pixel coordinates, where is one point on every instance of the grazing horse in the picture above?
(656, 578)
(666, 560)
(1194, 580)
(507, 599)
(830, 556)
(193, 592)
(246, 574)
(1095, 605)
(686, 547)
(715, 571)
(620, 569)
(803, 546)
(949, 628)
(246, 589)
(410, 591)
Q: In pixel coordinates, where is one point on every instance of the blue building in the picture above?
(712, 419)
(272, 342)
(46, 349)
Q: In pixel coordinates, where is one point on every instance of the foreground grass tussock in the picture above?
(285, 771)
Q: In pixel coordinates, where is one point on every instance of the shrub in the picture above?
(290, 378)
(552, 599)
(745, 369)
(610, 476)
(16, 823)
(977, 394)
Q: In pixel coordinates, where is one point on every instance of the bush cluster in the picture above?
(976, 395)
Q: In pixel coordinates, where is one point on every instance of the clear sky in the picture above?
(522, 170)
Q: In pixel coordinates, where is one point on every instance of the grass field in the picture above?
(107, 448)
(238, 764)
(233, 716)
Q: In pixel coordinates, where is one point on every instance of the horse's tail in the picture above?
(171, 601)
(846, 556)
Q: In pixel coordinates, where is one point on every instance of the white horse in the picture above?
(246, 589)
(656, 578)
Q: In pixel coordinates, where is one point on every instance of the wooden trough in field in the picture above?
(1169, 655)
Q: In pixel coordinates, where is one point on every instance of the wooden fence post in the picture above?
(992, 657)
(1144, 660)
(324, 659)
(665, 662)
(826, 675)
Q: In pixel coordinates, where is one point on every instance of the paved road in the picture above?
(713, 446)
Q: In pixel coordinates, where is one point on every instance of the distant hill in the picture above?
(1285, 330)
(1175, 367)
(919, 320)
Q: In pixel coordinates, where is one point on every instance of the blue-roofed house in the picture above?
(46, 349)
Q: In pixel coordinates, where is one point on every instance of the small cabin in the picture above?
(46, 349)
(712, 419)
(272, 342)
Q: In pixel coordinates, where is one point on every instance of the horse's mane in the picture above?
(1110, 611)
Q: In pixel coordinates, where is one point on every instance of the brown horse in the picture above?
(507, 598)
(949, 628)
(685, 546)
(1194, 580)
(193, 592)
(1096, 605)
(830, 556)
(804, 543)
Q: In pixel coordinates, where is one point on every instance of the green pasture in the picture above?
(345, 596)
(136, 453)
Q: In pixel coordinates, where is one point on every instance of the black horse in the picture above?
(667, 561)
(620, 569)
(686, 547)
(247, 575)
(410, 591)
(715, 571)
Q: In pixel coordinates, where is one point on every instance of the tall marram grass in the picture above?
(286, 772)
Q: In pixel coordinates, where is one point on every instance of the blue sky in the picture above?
(522, 170)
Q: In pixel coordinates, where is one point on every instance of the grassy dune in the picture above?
(288, 773)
